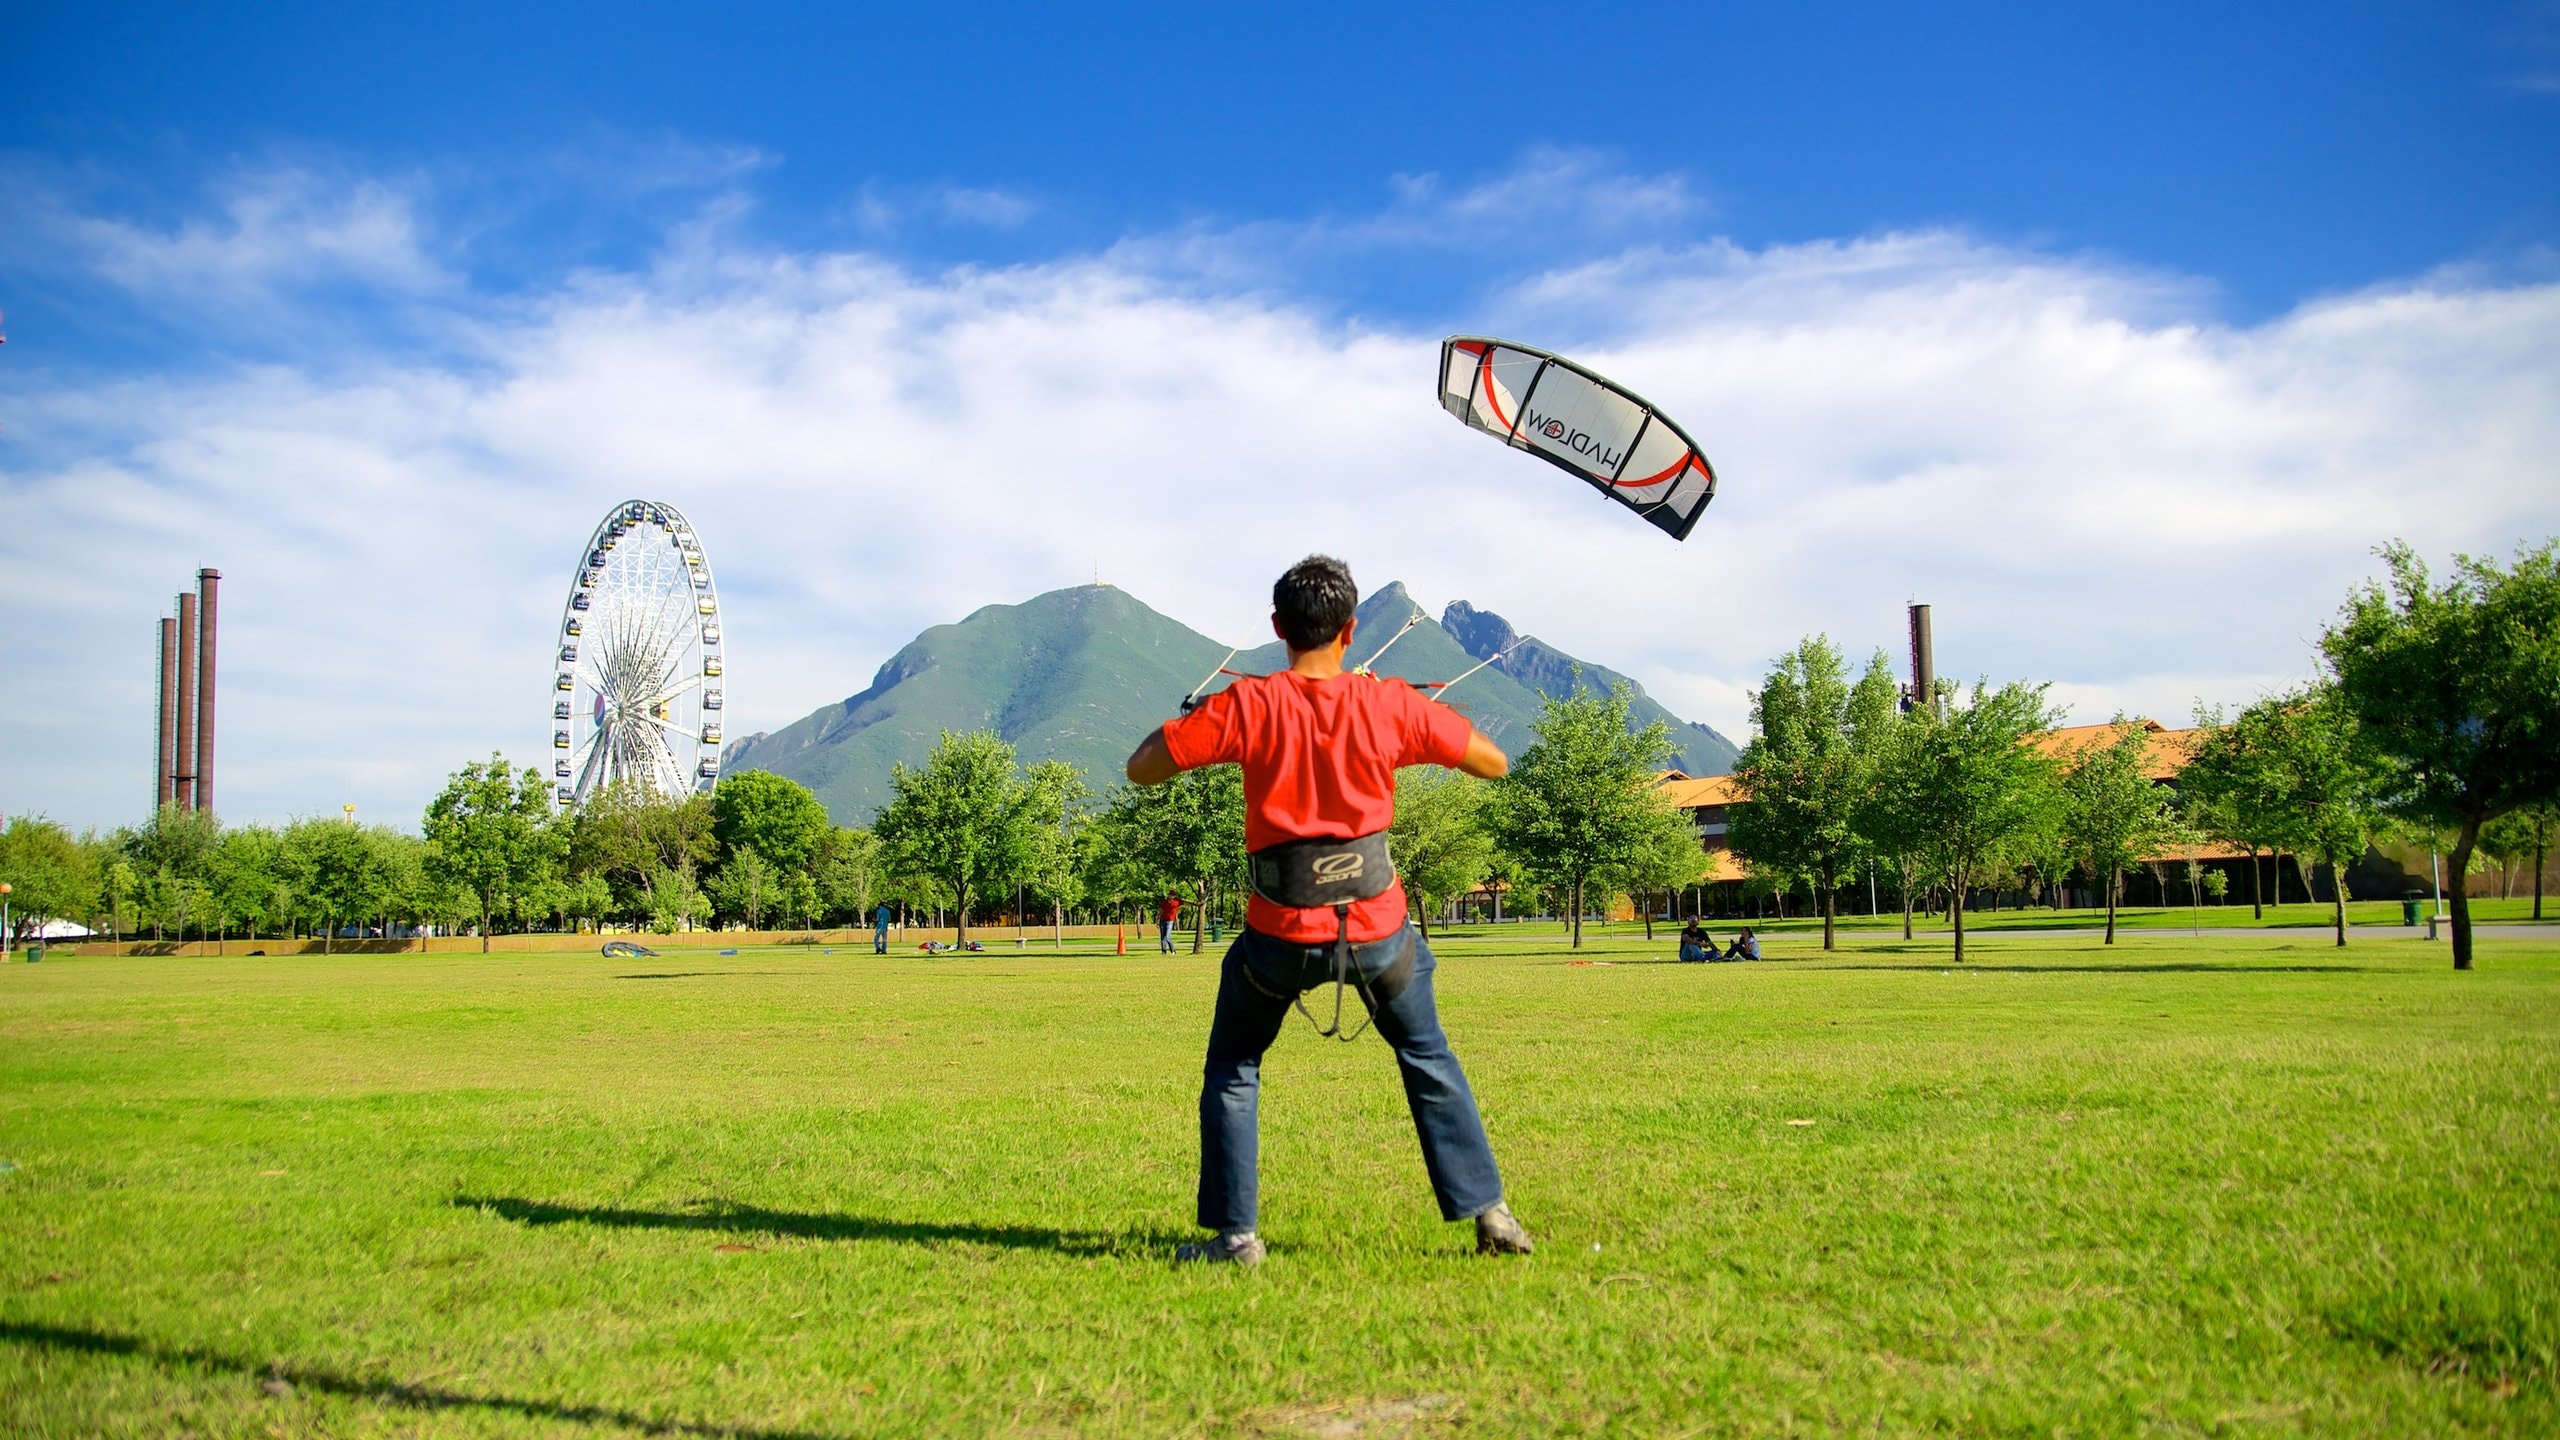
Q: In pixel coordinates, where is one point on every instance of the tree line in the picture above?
(969, 833)
(2436, 719)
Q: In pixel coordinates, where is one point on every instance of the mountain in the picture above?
(1081, 675)
(1540, 667)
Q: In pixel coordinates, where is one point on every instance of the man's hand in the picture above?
(1152, 764)
(1484, 759)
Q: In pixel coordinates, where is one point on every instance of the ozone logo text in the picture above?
(1335, 869)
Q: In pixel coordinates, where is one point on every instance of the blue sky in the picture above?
(2024, 310)
(2278, 151)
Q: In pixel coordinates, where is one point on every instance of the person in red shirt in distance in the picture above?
(1320, 747)
(1167, 911)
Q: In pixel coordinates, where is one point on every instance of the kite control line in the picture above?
(1193, 699)
(1369, 666)
(1443, 686)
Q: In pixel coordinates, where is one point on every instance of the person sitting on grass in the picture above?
(1320, 747)
(1746, 948)
(1696, 945)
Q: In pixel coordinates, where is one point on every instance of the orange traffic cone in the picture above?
(1120, 934)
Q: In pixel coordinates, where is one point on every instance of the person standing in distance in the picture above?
(880, 929)
(1320, 747)
(1168, 910)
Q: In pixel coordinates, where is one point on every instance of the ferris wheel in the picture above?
(638, 695)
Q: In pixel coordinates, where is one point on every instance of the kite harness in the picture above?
(1321, 873)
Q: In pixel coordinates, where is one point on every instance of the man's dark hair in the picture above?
(1313, 601)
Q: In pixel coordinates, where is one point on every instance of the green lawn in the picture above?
(2246, 1185)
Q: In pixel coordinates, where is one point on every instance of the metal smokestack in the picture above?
(184, 771)
(1924, 667)
(209, 590)
(165, 782)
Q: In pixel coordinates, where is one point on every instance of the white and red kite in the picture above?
(1581, 423)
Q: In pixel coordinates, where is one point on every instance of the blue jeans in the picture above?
(880, 940)
(1695, 953)
(1164, 936)
(1250, 1014)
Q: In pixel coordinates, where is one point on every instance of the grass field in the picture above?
(2237, 1185)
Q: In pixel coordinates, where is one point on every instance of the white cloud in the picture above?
(276, 229)
(2090, 480)
(881, 210)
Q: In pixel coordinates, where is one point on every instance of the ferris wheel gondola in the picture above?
(638, 690)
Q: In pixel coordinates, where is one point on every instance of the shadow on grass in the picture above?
(797, 1225)
(2128, 968)
(666, 975)
(73, 1340)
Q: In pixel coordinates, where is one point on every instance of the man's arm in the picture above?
(1152, 764)
(1484, 759)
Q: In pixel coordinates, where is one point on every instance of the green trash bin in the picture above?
(2409, 907)
(35, 954)
(1217, 932)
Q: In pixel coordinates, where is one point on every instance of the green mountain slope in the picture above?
(1503, 699)
(1538, 666)
(1080, 675)
(1076, 675)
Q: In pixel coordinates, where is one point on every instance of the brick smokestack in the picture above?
(165, 781)
(183, 772)
(208, 592)
(1924, 664)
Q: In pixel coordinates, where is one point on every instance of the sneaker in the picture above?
(1499, 1232)
(1233, 1247)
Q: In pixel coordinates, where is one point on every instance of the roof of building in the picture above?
(2168, 752)
(1689, 794)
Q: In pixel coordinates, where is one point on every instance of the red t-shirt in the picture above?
(1170, 910)
(1320, 760)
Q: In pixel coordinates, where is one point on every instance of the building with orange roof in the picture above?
(1710, 801)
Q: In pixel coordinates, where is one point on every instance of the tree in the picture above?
(169, 858)
(335, 870)
(119, 884)
(1668, 857)
(2323, 783)
(2233, 788)
(1188, 831)
(965, 821)
(1579, 798)
(2112, 814)
(588, 898)
(50, 875)
(1438, 839)
(844, 871)
(489, 834)
(1970, 785)
(2455, 690)
(634, 838)
(2520, 836)
(249, 877)
(1889, 815)
(400, 869)
(779, 818)
(675, 899)
(747, 886)
(1805, 772)
(1057, 870)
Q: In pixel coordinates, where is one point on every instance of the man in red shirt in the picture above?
(1167, 911)
(1320, 747)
